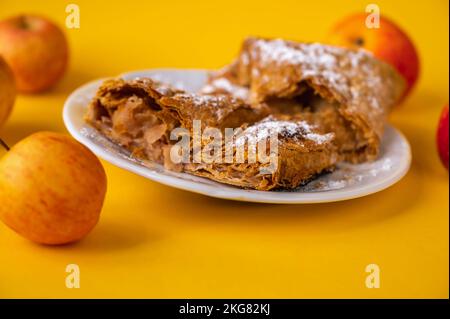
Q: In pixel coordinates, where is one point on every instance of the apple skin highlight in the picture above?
(442, 137)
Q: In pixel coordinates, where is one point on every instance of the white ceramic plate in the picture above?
(347, 182)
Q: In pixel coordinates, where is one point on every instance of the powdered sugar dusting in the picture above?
(348, 175)
(163, 84)
(279, 51)
(316, 60)
(160, 87)
(213, 100)
(223, 85)
(298, 131)
(218, 101)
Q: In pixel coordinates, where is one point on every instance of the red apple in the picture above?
(442, 136)
(388, 43)
(7, 91)
(36, 50)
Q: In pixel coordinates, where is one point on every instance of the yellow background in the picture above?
(155, 241)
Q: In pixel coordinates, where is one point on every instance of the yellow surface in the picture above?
(155, 241)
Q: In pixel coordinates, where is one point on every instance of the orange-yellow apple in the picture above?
(388, 42)
(51, 188)
(7, 91)
(442, 136)
(36, 50)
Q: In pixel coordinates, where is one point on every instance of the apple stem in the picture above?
(23, 23)
(2, 143)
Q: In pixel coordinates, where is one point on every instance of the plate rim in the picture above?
(232, 193)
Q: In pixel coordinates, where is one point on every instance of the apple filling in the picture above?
(135, 122)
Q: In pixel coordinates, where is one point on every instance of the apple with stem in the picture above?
(51, 188)
(388, 42)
